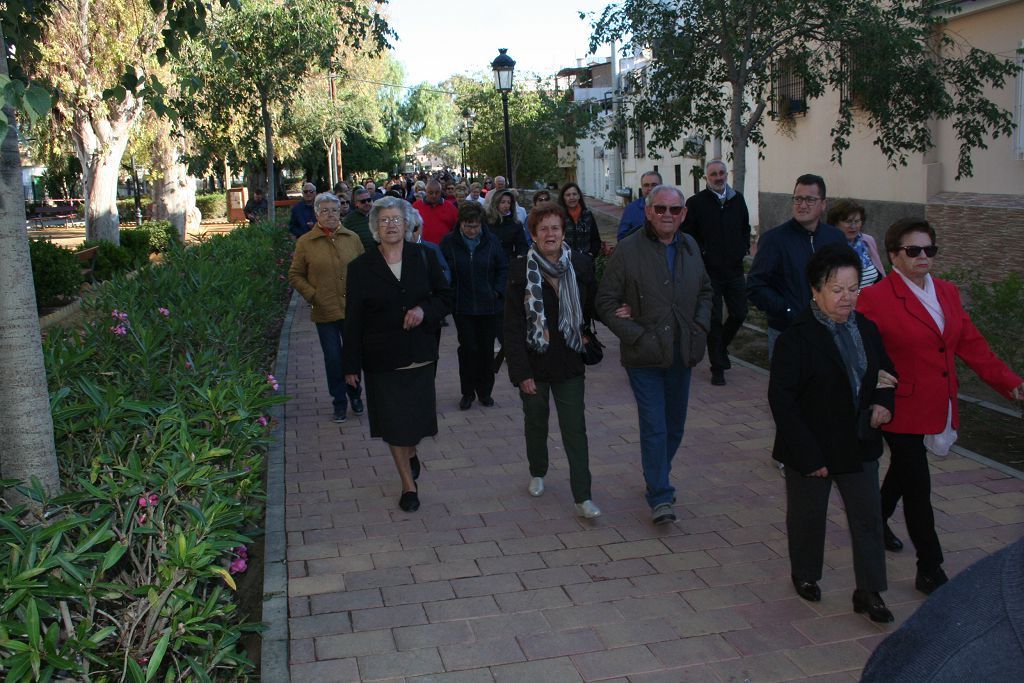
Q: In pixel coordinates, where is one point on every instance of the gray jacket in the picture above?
(665, 310)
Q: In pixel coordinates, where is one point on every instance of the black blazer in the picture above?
(811, 399)
(376, 304)
(559, 362)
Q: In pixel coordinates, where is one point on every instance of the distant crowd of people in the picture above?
(859, 358)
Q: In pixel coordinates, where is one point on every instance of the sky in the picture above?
(543, 36)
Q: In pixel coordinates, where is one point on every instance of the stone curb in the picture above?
(274, 651)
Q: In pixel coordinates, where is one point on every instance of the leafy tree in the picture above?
(715, 61)
(270, 47)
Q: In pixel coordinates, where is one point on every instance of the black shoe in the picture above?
(487, 401)
(718, 378)
(414, 465)
(808, 590)
(726, 363)
(928, 581)
(357, 406)
(892, 541)
(873, 604)
(339, 416)
(410, 501)
(465, 403)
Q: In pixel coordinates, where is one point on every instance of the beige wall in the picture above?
(806, 147)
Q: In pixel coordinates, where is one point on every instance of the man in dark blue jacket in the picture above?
(634, 216)
(777, 282)
(718, 219)
(303, 217)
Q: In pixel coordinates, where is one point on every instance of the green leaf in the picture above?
(113, 555)
(158, 656)
(32, 624)
(37, 102)
(136, 671)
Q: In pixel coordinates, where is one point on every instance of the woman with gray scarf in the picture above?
(550, 298)
(832, 386)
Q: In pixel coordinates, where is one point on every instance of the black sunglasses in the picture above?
(363, 201)
(913, 251)
(660, 209)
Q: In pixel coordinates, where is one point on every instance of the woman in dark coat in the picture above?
(502, 220)
(397, 298)
(581, 232)
(831, 388)
(478, 269)
(550, 299)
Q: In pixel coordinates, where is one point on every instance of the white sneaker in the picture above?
(536, 486)
(588, 510)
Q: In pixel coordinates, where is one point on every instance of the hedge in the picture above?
(160, 404)
(212, 206)
(56, 274)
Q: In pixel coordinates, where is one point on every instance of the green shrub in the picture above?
(126, 209)
(55, 273)
(159, 402)
(995, 309)
(213, 205)
(162, 234)
(137, 243)
(111, 260)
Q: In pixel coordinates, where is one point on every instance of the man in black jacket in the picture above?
(718, 219)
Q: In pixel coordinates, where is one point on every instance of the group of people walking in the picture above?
(858, 358)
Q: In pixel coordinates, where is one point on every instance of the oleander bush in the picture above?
(111, 259)
(55, 273)
(160, 404)
(136, 243)
(995, 308)
(162, 235)
(213, 205)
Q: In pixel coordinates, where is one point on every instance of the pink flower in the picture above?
(242, 552)
(273, 382)
(262, 421)
(188, 365)
(143, 501)
(119, 315)
(280, 277)
(153, 499)
(238, 565)
(119, 330)
(164, 312)
(141, 518)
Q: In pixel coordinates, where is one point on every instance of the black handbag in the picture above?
(593, 351)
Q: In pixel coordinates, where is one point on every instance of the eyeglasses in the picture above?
(329, 211)
(913, 251)
(542, 198)
(660, 209)
(853, 221)
(806, 200)
(309, 192)
(394, 220)
(343, 203)
(364, 201)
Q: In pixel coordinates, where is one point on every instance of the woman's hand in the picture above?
(880, 416)
(823, 472)
(413, 317)
(624, 311)
(352, 380)
(885, 381)
(528, 387)
(1018, 393)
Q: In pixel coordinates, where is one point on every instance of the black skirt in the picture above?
(401, 404)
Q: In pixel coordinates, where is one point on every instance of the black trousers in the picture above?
(476, 353)
(908, 478)
(806, 517)
(733, 293)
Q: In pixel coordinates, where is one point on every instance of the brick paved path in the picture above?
(485, 583)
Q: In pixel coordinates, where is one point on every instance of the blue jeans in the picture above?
(661, 396)
(330, 342)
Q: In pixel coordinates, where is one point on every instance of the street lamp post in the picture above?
(462, 146)
(138, 196)
(467, 116)
(503, 67)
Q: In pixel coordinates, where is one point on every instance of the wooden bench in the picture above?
(87, 261)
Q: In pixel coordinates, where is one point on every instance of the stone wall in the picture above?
(980, 232)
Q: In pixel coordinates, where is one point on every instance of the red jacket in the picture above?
(924, 358)
(438, 219)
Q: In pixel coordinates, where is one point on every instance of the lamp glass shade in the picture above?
(503, 67)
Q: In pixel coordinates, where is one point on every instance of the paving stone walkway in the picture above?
(485, 583)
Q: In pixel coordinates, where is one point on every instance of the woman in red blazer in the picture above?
(924, 327)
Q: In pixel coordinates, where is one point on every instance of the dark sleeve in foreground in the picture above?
(352, 334)
(439, 303)
(785, 386)
(514, 324)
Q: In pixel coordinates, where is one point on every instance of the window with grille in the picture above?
(639, 142)
(847, 67)
(789, 97)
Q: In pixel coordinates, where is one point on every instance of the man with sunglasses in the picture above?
(656, 298)
(718, 219)
(777, 281)
(633, 216)
(303, 216)
(358, 221)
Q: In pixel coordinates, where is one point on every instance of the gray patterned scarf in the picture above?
(570, 315)
(851, 347)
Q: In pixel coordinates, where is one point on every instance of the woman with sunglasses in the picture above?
(924, 328)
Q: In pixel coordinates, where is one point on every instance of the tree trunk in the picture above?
(227, 176)
(26, 437)
(268, 137)
(100, 142)
(174, 190)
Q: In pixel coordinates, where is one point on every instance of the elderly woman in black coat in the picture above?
(831, 388)
(397, 298)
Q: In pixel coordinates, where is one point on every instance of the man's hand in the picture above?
(823, 472)
(624, 311)
(528, 387)
(880, 416)
(413, 317)
(352, 380)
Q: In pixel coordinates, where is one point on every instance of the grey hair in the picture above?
(713, 162)
(325, 197)
(667, 188)
(413, 221)
(390, 203)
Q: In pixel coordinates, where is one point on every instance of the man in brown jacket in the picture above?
(656, 298)
(319, 270)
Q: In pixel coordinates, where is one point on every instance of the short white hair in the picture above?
(328, 197)
(390, 203)
(715, 162)
(667, 188)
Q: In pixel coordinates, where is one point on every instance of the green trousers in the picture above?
(571, 422)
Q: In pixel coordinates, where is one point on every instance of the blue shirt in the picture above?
(633, 217)
(302, 216)
(670, 255)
